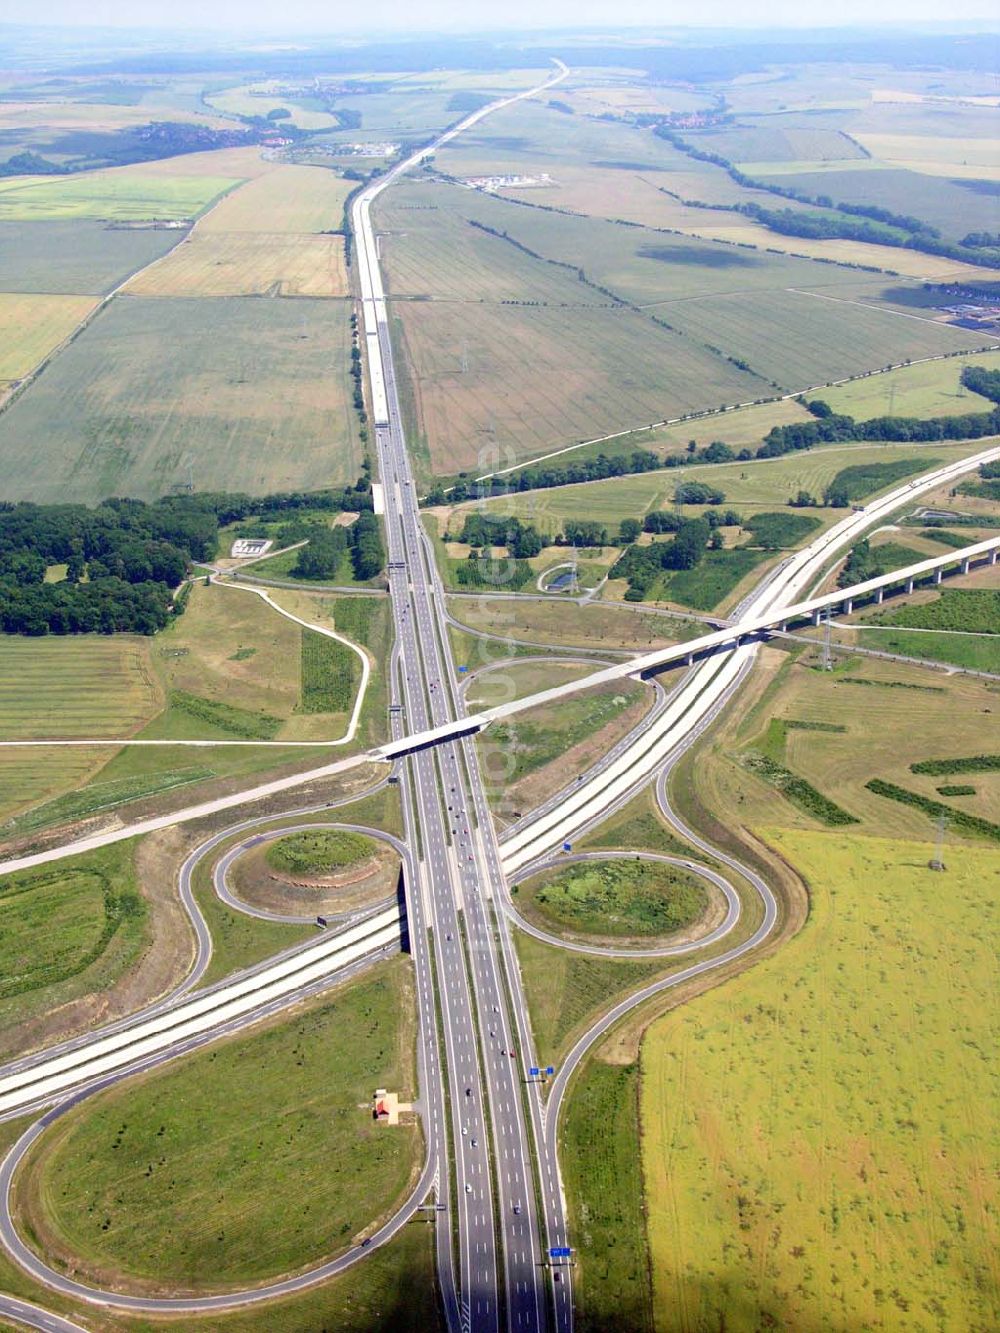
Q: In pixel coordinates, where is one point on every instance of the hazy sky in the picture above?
(463, 15)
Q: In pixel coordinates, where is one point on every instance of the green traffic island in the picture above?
(323, 871)
(629, 900)
(253, 1158)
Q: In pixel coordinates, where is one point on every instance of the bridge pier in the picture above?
(938, 575)
(816, 617)
(879, 595)
(965, 566)
(909, 585)
(848, 607)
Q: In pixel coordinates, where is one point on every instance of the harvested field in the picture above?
(31, 326)
(120, 193)
(248, 264)
(839, 1178)
(799, 338)
(85, 257)
(287, 198)
(525, 380)
(953, 712)
(158, 393)
(936, 154)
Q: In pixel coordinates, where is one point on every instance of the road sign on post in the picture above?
(567, 846)
(550, 1069)
(533, 1071)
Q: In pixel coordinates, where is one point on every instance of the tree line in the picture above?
(893, 229)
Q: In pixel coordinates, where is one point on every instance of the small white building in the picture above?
(245, 547)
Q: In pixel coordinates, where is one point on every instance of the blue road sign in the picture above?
(465, 668)
(567, 846)
(560, 1252)
(533, 1071)
(550, 1069)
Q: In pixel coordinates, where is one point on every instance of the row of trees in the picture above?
(836, 427)
(839, 219)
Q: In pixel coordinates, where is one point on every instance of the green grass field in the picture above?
(122, 194)
(245, 1160)
(838, 1178)
(159, 392)
(67, 687)
(394, 1291)
(565, 990)
(512, 751)
(66, 931)
(709, 583)
(602, 1170)
(933, 389)
(615, 897)
(970, 617)
(748, 487)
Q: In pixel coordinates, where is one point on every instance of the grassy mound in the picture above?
(319, 853)
(617, 897)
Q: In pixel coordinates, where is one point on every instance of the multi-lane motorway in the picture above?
(503, 1215)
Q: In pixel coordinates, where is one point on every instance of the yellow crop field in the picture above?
(30, 326)
(920, 152)
(910, 263)
(820, 1136)
(120, 193)
(284, 199)
(247, 264)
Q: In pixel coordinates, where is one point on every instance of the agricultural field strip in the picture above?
(352, 724)
(100, 303)
(722, 412)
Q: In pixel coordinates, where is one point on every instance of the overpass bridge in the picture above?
(726, 639)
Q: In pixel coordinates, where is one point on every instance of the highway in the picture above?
(499, 1230)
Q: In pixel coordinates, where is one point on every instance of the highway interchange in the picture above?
(492, 1141)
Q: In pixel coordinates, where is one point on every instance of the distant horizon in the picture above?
(310, 19)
